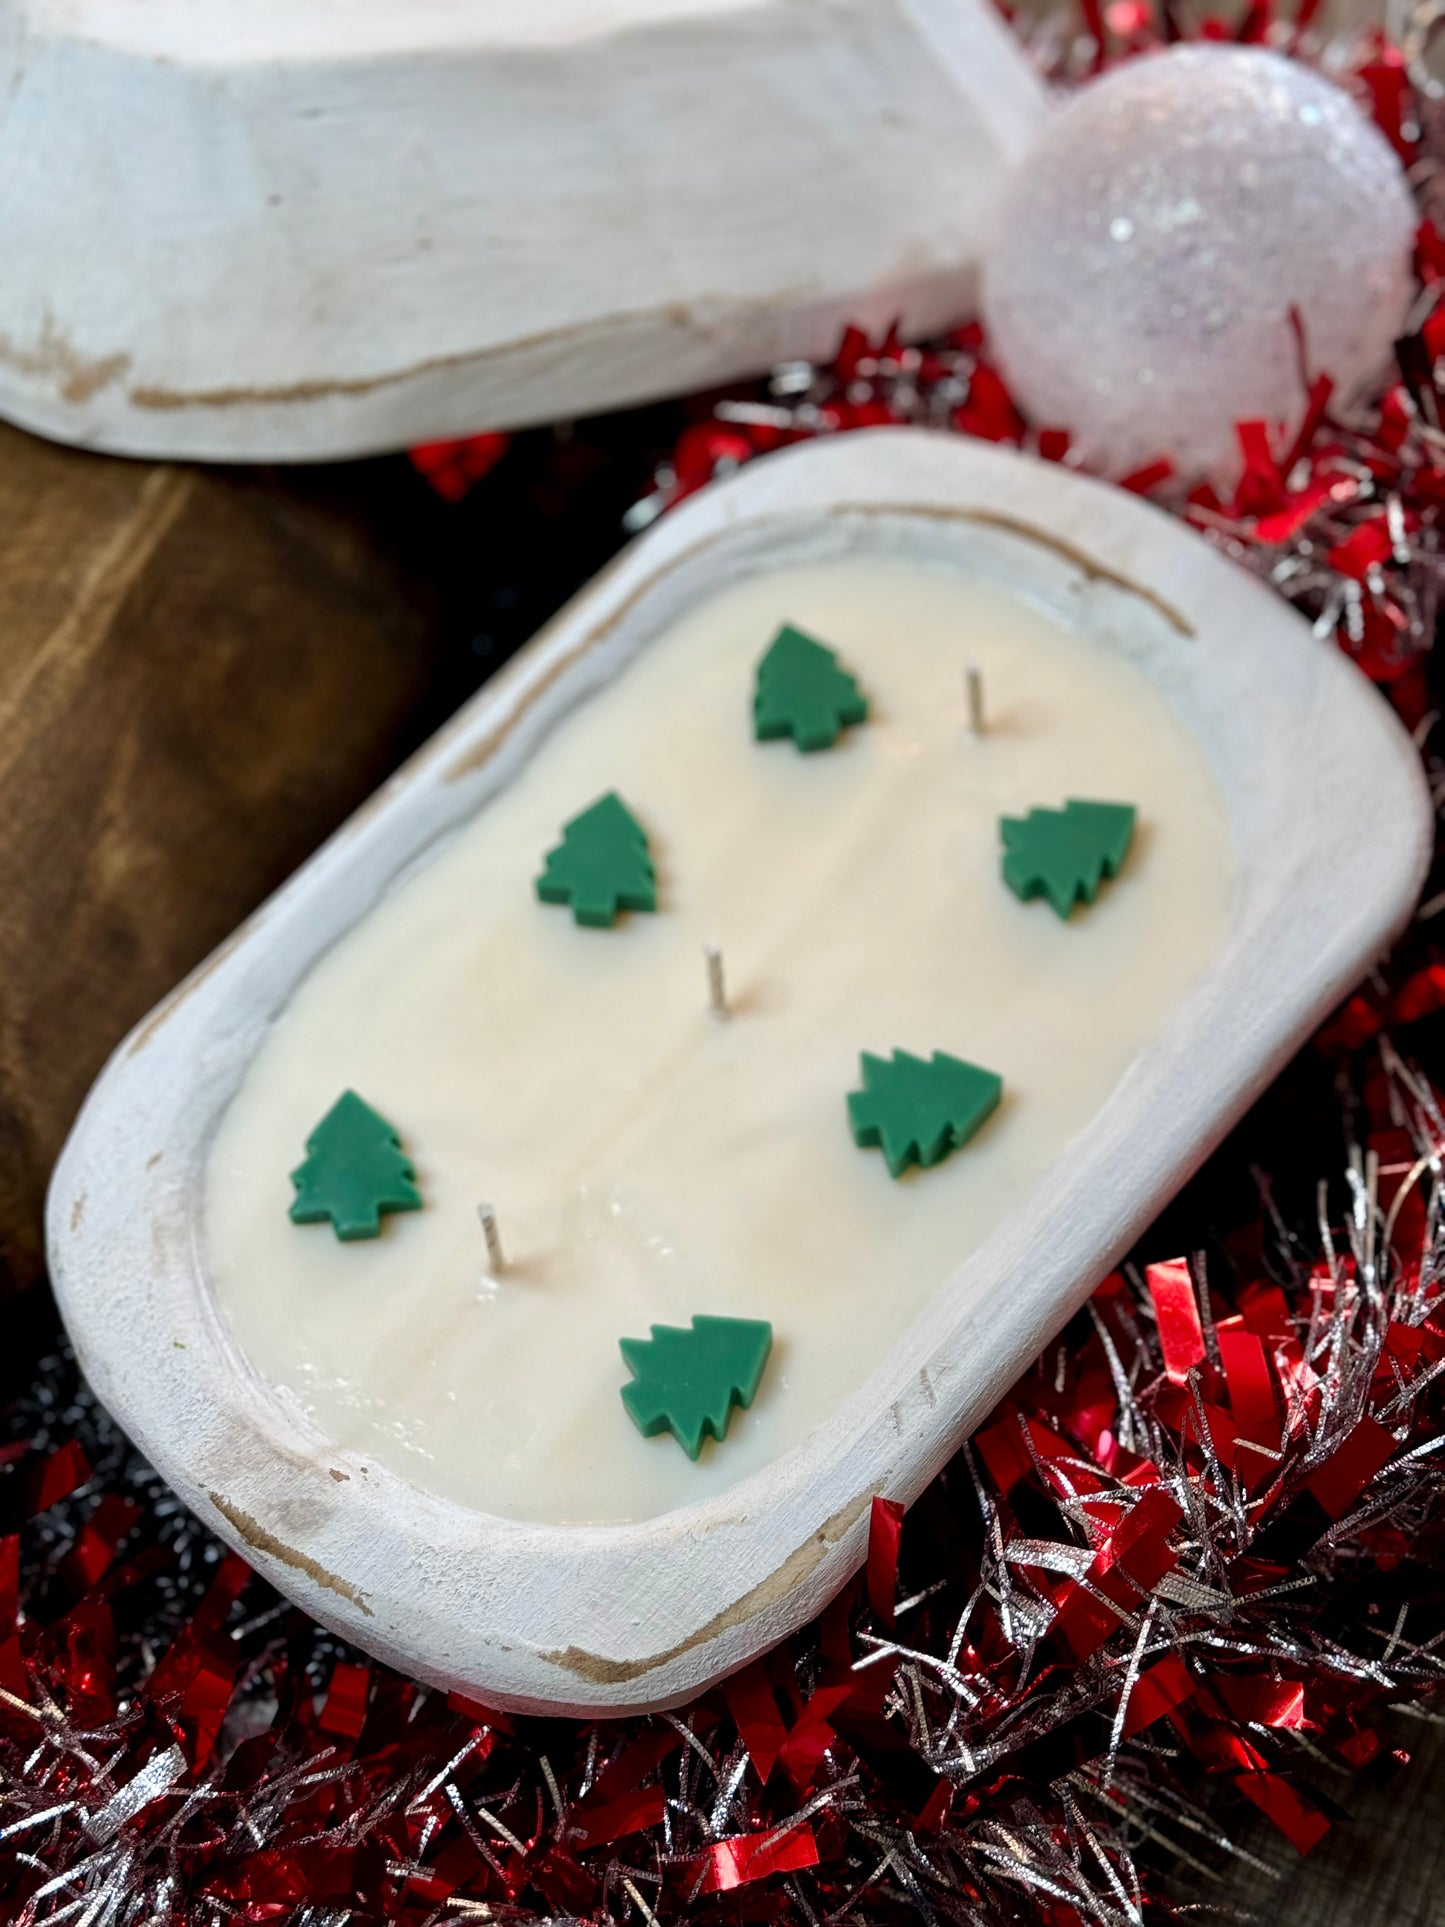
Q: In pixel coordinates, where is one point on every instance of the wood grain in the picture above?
(201, 675)
(1383, 1866)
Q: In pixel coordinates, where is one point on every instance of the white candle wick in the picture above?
(973, 689)
(716, 989)
(496, 1263)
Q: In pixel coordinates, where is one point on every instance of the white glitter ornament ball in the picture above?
(1156, 237)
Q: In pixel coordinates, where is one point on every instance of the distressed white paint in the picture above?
(284, 229)
(1329, 823)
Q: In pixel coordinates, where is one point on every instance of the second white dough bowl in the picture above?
(291, 229)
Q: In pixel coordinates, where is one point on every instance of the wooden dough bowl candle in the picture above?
(816, 958)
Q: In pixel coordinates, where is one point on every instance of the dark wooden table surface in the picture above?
(201, 675)
(1383, 1867)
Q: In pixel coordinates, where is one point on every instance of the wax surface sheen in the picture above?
(648, 1162)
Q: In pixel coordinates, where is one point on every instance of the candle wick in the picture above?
(973, 689)
(716, 988)
(496, 1263)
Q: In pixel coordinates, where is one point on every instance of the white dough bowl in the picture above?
(291, 229)
(1329, 826)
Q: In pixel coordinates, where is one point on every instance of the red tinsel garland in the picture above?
(1199, 1547)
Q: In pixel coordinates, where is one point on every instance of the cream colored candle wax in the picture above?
(645, 1160)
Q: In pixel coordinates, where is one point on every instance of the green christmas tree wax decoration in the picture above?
(1065, 854)
(687, 1381)
(601, 865)
(804, 692)
(918, 1109)
(355, 1169)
